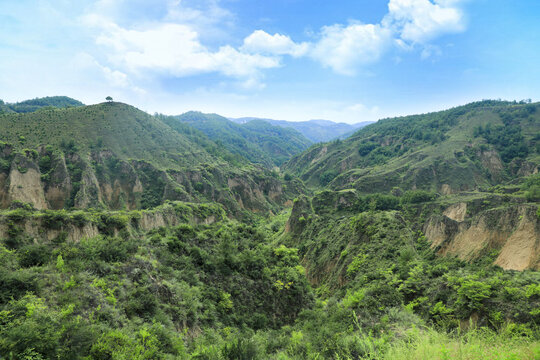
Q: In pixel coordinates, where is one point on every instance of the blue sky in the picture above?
(343, 60)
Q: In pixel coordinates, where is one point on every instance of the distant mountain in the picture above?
(314, 130)
(257, 140)
(39, 103)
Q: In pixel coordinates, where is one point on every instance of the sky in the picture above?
(342, 60)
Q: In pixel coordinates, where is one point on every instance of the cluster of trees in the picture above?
(257, 141)
(226, 291)
(507, 139)
(49, 102)
(150, 297)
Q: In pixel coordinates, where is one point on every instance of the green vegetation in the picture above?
(257, 140)
(114, 156)
(146, 295)
(130, 236)
(125, 131)
(465, 148)
(228, 290)
(48, 102)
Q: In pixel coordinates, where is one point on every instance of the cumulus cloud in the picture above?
(175, 49)
(174, 46)
(262, 42)
(419, 21)
(344, 48)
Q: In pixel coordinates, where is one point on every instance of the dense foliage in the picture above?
(39, 103)
(122, 295)
(429, 150)
(257, 140)
(202, 260)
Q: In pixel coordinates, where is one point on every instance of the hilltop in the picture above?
(115, 156)
(258, 141)
(39, 103)
(465, 148)
(315, 130)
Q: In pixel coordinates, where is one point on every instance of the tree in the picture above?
(109, 99)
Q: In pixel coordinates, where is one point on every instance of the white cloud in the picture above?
(175, 49)
(419, 21)
(173, 45)
(408, 22)
(114, 78)
(262, 42)
(345, 48)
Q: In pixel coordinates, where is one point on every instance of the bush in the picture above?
(327, 176)
(417, 196)
(55, 219)
(34, 255)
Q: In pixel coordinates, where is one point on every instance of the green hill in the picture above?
(115, 156)
(464, 148)
(39, 103)
(130, 236)
(122, 129)
(258, 141)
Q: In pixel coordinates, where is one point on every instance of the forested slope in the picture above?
(465, 148)
(257, 141)
(113, 155)
(129, 236)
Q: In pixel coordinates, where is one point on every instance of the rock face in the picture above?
(513, 231)
(456, 212)
(25, 183)
(52, 180)
(35, 227)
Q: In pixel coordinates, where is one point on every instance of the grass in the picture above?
(478, 344)
(122, 129)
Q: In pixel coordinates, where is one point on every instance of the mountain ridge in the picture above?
(112, 155)
(315, 130)
(258, 141)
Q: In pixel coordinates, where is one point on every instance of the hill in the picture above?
(115, 156)
(258, 141)
(465, 148)
(123, 237)
(315, 130)
(39, 103)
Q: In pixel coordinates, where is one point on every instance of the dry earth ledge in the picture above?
(512, 231)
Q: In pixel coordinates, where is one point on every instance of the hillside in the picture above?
(315, 130)
(257, 141)
(465, 148)
(115, 156)
(130, 236)
(39, 103)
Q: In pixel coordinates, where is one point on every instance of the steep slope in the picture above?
(315, 130)
(464, 148)
(122, 129)
(258, 141)
(115, 156)
(39, 103)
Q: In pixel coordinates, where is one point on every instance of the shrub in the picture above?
(327, 176)
(34, 255)
(417, 196)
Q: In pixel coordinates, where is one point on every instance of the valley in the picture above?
(131, 236)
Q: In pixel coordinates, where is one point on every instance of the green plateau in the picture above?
(130, 236)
